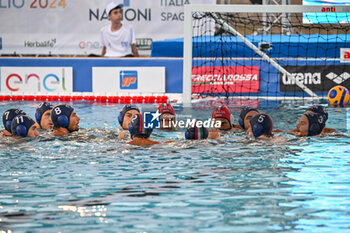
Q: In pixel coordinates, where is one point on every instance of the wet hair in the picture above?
(244, 112)
(195, 133)
(316, 123)
(261, 124)
(8, 116)
(137, 129)
(41, 109)
(21, 124)
(124, 110)
(60, 115)
(320, 110)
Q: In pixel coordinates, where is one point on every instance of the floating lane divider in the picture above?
(91, 98)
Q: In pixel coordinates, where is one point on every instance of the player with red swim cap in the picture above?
(167, 117)
(223, 114)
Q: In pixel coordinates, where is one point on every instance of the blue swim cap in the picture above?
(60, 115)
(125, 109)
(195, 133)
(316, 123)
(320, 110)
(244, 112)
(21, 125)
(8, 116)
(136, 127)
(261, 124)
(41, 109)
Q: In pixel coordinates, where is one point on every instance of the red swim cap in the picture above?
(222, 112)
(166, 108)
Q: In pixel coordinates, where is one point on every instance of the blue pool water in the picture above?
(92, 181)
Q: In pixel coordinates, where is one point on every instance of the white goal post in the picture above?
(213, 9)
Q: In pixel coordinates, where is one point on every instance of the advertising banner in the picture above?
(345, 55)
(317, 78)
(232, 79)
(36, 80)
(128, 80)
(73, 26)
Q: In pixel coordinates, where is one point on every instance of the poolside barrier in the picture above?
(91, 98)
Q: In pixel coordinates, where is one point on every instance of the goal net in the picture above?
(260, 51)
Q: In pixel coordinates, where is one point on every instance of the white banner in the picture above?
(128, 80)
(345, 55)
(36, 80)
(73, 26)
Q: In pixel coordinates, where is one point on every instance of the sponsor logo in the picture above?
(328, 9)
(304, 78)
(50, 82)
(344, 55)
(40, 44)
(144, 43)
(128, 79)
(316, 78)
(234, 79)
(89, 45)
(151, 120)
(338, 79)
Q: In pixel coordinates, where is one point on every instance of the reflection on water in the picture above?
(92, 181)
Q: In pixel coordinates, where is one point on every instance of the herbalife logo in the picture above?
(338, 79)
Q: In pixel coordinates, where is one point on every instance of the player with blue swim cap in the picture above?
(7, 118)
(246, 114)
(196, 133)
(139, 134)
(260, 125)
(310, 124)
(43, 115)
(124, 119)
(318, 109)
(64, 119)
(323, 112)
(314, 109)
(24, 126)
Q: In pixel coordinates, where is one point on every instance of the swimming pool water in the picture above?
(92, 181)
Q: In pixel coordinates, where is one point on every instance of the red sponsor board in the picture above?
(231, 79)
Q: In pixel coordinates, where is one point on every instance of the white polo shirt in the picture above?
(118, 43)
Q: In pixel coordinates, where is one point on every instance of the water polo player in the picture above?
(7, 118)
(24, 126)
(223, 114)
(323, 112)
(260, 126)
(139, 134)
(64, 119)
(244, 117)
(315, 109)
(167, 117)
(43, 115)
(310, 124)
(124, 119)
